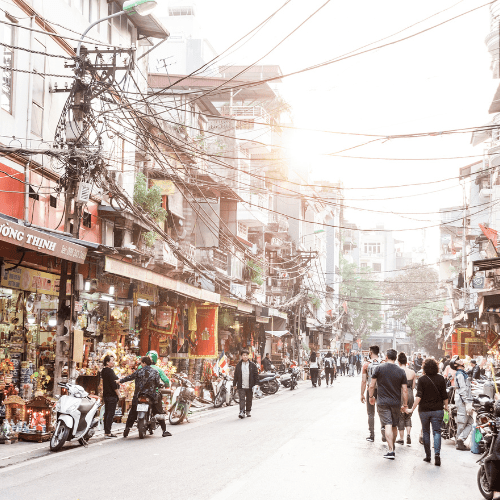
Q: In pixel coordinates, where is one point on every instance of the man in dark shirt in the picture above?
(475, 370)
(390, 380)
(418, 362)
(266, 363)
(110, 394)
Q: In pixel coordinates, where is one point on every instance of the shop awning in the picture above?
(141, 274)
(42, 242)
(278, 333)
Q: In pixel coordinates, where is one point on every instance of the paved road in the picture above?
(302, 444)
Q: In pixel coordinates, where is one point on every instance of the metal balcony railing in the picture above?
(255, 113)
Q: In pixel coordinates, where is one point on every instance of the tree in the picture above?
(363, 298)
(425, 322)
(412, 286)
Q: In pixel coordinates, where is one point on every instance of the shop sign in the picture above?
(228, 301)
(262, 319)
(138, 273)
(145, 291)
(348, 337)
(32, 280)
(31, 239)
(167, 187)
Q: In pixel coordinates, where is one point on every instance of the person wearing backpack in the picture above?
(329, 363)
(366, 378)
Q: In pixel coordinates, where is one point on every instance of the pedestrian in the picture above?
(405, 418)
(329, 369)
(147, 381)
(366, 378)
(430, 399)
(418, 362)
(463, 398)
(246, 376)
(475, 372)
(352, 363)
(314, 366)
(339, 364)
(358, 364)
(343, 363)
(110, 394)
(266, 363)
(390, 380)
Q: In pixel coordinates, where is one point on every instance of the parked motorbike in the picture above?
(285, 378)
(181, 401)
(225, 392)
(489, 440)
(268, 382)
(449, 428)
(76, 416)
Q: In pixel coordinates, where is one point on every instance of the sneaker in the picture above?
(427, 459)
(390, 455)
(126, 431)
(408, 440)
(461, 445)
(165, 434)
(109, 436)
(241, 414)
(383, 436)
(400, 441)
(437, 460)
(249, 414)
(371, 438)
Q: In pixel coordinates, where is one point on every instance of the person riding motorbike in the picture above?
(154, 358)
(147, 381)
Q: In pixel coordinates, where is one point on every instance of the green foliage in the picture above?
(256, 272)
(425, 323)
(149, 199)
(410, 287)
(315, 301)
(363, 298)
(149, 238)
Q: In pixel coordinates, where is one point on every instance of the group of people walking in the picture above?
(388, 386)
(334, 365)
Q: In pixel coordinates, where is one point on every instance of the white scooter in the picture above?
(76, 416)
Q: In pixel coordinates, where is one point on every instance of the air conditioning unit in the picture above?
(83, 192)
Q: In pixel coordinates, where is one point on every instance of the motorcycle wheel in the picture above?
(292, 385)
(59, 438)
(141, 426)
(482, 483)
(273, 387)
(265, 387)
(177, 413)
(220, 398)
(236, 397)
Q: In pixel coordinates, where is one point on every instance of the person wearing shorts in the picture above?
(390, 380)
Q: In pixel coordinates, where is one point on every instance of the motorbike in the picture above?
(146, 420)
(181, 401)
(489, 439)
(285, 378)
(294, 377)
(76, 416)
(268, 382)
(225, 392)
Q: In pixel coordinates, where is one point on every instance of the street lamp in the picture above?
(130, 7)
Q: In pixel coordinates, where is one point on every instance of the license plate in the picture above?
(142, 407)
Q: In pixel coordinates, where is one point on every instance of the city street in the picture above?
(309, 443)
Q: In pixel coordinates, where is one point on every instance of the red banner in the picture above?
(491, 234)
(203, 342)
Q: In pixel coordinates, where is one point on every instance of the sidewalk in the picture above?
(22, 451)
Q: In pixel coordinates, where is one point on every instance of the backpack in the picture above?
(328, 362)
(369, 371)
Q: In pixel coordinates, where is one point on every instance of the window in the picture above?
(7, 63)
(38, 89)
(53, 201)
(87, 220)
(33, 194)
(372, 247)
(377, 267)
(364, 264)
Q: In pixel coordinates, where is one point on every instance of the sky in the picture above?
(434, 81)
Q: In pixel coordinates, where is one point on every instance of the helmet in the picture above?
(153, 355)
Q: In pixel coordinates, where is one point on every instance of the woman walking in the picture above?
(405, 418)
(329, 368)
(431, 397)
(314, 368)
